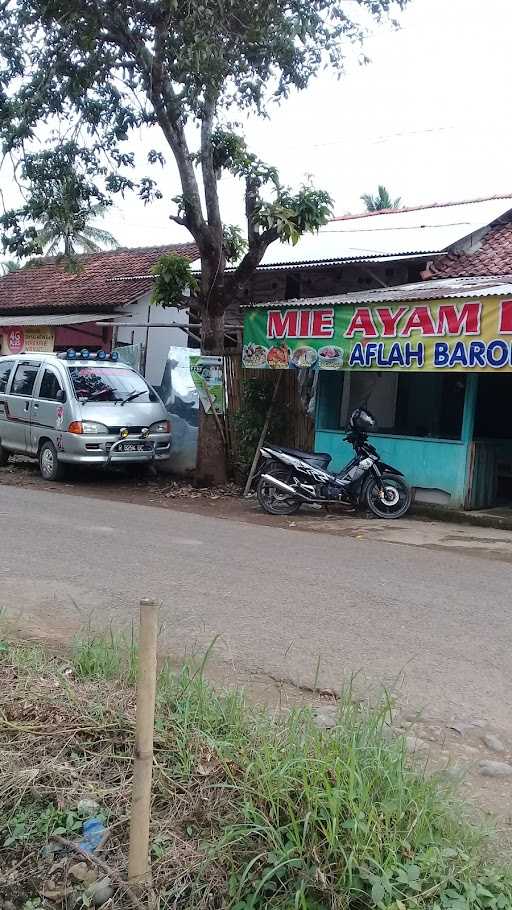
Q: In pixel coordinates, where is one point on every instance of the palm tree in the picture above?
(66, 226)
(10, 265)
(381, 200)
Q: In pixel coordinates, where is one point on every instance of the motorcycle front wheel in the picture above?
(393, 501)
(275, 501)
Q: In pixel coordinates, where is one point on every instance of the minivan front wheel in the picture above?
(49, 465)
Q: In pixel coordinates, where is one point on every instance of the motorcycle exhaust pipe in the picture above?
(285, 487)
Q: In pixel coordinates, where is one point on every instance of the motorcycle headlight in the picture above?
(161, 426)
(91, 428)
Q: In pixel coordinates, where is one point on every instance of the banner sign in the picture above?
(461, 335)
(208, 376)
(17, 340)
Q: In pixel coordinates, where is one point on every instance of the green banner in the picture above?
(458, 334)
(208, 376)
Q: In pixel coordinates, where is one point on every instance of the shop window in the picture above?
(493, 417)
(329, 401)
(404, 404)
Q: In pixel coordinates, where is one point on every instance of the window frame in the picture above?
(8, 381)
(53, 372)
(323, 419)
(24, 363)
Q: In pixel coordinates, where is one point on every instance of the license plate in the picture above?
(131, 447)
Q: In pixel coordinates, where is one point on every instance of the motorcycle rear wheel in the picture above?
(272, 500)
(390, 506)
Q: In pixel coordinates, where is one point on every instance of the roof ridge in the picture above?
(420, 208)
(50, 260)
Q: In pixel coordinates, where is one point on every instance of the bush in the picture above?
(256, 396)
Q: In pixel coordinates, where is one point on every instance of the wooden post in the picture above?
(139, 869)
(263, 435)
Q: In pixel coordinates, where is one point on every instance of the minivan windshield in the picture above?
(107, 383)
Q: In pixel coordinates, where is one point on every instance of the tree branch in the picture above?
(165, 103)
(92, 860)
(251, 202)
(177, 220)
(208, 170)
(246, 268)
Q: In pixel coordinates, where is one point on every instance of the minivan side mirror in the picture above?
(61, 395)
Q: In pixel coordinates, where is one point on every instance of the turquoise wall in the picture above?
(429, 463)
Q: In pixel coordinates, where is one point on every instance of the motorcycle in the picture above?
(289, 478)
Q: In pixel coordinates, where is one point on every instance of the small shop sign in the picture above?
(208, 376)
(460, 335)
(18, 340)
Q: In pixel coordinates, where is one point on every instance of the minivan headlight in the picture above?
(88, 428)
(161, 426)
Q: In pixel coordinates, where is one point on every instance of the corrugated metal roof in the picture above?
(315, 263)
(404, 233)
(377, 236)
(51, 319)
(423, 290)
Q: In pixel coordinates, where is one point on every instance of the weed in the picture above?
(250, 812)
(36, 823)
(98, 657)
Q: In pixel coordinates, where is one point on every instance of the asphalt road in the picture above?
(432, 624)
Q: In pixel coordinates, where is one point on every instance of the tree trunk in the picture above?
(211, 452)
(212, 332)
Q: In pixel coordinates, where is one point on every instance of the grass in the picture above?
(105, 657)
(250, 811)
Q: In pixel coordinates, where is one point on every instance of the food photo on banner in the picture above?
(468, 335)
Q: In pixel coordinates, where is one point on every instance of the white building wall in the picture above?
(155, 341)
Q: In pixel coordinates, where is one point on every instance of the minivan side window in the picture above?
(50, 385)
(5, 372)
(24, 378)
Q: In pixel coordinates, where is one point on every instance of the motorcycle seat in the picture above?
(315, 459)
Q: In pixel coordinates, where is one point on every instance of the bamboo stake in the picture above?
(139, 870)
(215, 415)
(263, 435)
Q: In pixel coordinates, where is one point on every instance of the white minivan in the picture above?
(82, 409)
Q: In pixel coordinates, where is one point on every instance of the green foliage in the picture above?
(61, 200)
(35, 822)
(235, 244)
(256, 395)
(381, 200)
(10, 265)
(244, 53)
(173, 276)
(292, 215)
(97, 657)
(288, 214)
(97, 73)
(230, 152)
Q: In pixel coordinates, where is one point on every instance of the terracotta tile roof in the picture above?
(494, 257)
(48, 287)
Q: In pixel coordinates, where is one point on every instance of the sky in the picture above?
(429, 116)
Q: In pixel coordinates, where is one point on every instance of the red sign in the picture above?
(16, 340)
(449, 319)
(300, 324)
